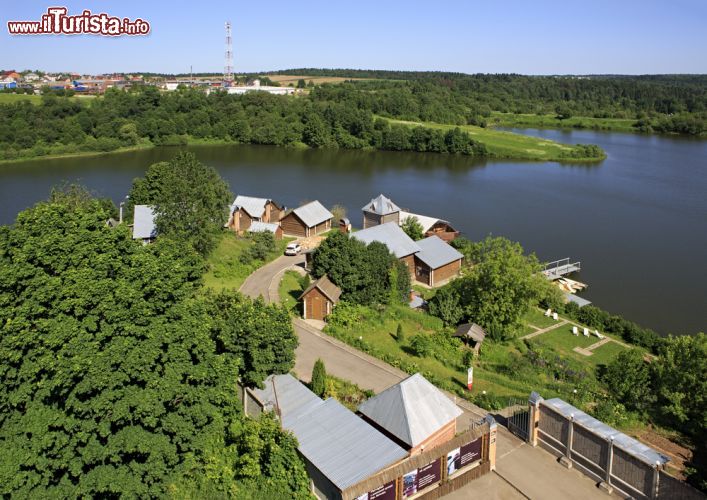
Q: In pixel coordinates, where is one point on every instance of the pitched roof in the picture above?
(255, 207)
(470, 331)
(411, 410)
(381, 205)
(391, 235)
(263, 227)
(425, 221)
(325, 286)
(144, 222)
(313, 213)
(436, 253)
(344, 447)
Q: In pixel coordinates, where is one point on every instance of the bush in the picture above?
(399, 335)
(304, 282)
(318, 383)
(345, 314)
(421, 345)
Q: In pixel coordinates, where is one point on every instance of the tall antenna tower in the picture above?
(228, 67)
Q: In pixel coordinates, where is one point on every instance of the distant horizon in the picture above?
(545, 38)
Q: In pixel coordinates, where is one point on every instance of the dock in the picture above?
(557, 269)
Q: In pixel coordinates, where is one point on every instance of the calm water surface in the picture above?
(637, 221)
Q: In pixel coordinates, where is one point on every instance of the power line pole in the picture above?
(228, 67)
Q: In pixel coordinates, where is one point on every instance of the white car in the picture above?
(293, 249)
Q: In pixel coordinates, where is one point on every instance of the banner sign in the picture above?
(463, 456)
(419, 479)
(470, 377)
(385, 492)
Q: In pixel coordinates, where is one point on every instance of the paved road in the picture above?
(521, 470)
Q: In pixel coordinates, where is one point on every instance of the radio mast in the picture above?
(228, 67)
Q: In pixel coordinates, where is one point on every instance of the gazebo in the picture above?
(471, 332)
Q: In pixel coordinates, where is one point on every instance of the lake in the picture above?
(637, 221)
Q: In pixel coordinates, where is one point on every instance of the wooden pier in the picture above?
(557, 269)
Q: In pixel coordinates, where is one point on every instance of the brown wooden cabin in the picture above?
(437, 262)
(319, 299)
(246, 209)
(308, 220)
(379, 211)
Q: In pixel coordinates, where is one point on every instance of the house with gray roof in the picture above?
(437, 261)
(308, 220)
(247, 209)
(431, 226)
(379, 211)
(390, 234)
(319, 299)
(266, 227)
(414, 413)
(339, 448)
(144, 223)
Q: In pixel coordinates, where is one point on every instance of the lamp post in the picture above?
(122, 204)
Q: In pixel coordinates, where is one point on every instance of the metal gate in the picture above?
(518, 418)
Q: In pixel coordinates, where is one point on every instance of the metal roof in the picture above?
(392, 236)
(344, 447)
(411, 410)
(144, 222)
(436, 253)
(328, 288)
(425, 222)
(285, 393)
(263, 227)
(381, 205)
(313, 213)
(255, 207)
(581, 302)
(631, 446)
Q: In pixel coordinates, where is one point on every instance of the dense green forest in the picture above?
(660, 103)
(119, 369)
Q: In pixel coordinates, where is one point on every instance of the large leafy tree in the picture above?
(629, 378)
(111, 381)
(191, 200)
(412, 228)
(501, 286)
(363, 272)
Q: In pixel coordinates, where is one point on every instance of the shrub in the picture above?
(421, 345)
(318, 383)
(399, 335)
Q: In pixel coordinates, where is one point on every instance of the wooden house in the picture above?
(399, 243)
(246, 209)
(380, 210)
(437, 262)
(308, 220)
(432, 226)
(319, 299)
(266, 227)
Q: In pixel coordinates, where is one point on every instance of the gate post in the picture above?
(566, 460)
(655, 484)
(606, 483)
(493, 428)
(534, 417)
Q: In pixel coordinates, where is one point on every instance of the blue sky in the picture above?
(519, 36)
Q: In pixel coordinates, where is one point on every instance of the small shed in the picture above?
(379, 211)
(431, 226)
(266, 227)
(345, 225)
(320, 298)
(308, 220)
(144, 224)
(436, 262)
(472, 333)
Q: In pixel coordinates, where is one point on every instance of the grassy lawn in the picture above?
(502, 144)
(605, 354)
(536, 317)
(225, 269)
(563, 342)
(290, 290)
(551, 121)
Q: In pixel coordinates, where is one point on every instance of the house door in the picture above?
(315, 307)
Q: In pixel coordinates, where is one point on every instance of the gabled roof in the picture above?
(325, 286)
(470, 331)
(255, 207)
(313, 213)
(344, 447)
(381, 206)
(411, 410)
(391, 235)
(263, 227)
(425, 222)
(144, 222)
(436, 253)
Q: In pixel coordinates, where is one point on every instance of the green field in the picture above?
(502, 144)
(290, 290)
(515, 120)
(536, 317)
(563, 342)
(225, 269)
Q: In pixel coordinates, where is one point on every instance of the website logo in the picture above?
(56, 21)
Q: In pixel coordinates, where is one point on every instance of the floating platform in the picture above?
(577, 300)
(559, 268)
